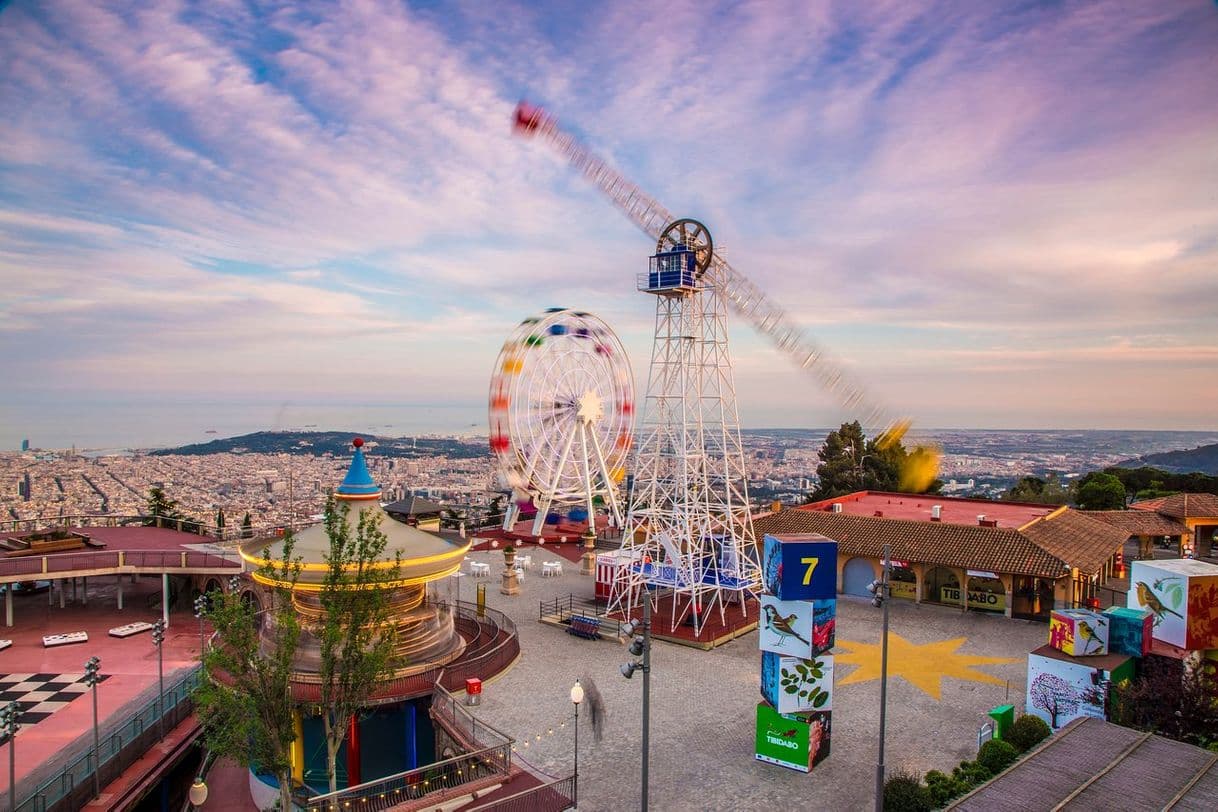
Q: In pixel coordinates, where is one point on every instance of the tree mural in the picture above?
(1054, 696)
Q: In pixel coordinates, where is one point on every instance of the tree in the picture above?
(220, 522)
(1170, 700)
(247, 527)
(850, 462)
(496, 511)
(1054, 696)
(244, 700)
(1047, 491)
(356, 633)
(160, 506)
(1099, 491)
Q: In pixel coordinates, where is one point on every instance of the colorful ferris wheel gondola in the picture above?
(561, 418)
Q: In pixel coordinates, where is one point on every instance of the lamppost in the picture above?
(882, 591)
(200, 612)
(92, 677)
(577, 696)
(158, 638)
(10, 723)
(641, 645)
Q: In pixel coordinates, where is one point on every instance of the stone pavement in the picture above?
(703, 705)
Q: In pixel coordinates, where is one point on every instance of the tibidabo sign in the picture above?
(781, 740)
(993, 601)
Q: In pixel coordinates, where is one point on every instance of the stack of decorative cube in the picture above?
(798, 616)
(1173, 601)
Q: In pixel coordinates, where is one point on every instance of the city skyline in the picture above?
(994, 216)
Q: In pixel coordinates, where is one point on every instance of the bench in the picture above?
(52, 640)
(5, 644)
(130, 629)
(588, 628)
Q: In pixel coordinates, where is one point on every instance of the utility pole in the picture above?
(882, 592)
(641, 645)
(92, 677)
(158, 638)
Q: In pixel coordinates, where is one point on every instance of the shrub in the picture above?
(943, 788)
(970, 773)
(1027, 732)
(903, 792)
(996, 755)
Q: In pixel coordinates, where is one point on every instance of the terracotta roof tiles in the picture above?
(1138, 522)
(1182, 505)
(1078, 540)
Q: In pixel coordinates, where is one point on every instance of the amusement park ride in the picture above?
(688, 530)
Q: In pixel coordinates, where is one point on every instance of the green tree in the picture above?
(1099, 491)
(220, 522)
(356, 635)
(850, 462)
(1047, 491)
(496, 511)
(247, 527)
(244, 700)
(160, 506)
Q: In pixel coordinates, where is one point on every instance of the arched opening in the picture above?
(941, 585)
(986, 594)
(903, 583)
(857, 574)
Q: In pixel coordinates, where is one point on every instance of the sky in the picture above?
(998, 215)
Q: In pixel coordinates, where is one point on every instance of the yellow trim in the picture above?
(427, 559)
(1051, 515)
(422, 579)
(297, 748)
(354, 497)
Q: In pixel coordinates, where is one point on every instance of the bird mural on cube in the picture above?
(782, 625)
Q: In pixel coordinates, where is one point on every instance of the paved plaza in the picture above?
(956, 667)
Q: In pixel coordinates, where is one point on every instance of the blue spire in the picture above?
(359, 481)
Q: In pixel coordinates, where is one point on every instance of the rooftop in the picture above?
(918, 507)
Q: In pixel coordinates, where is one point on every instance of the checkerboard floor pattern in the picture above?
(40, 695)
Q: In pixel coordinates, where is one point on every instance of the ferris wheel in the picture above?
(561, 417)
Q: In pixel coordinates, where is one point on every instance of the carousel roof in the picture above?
(424, 556)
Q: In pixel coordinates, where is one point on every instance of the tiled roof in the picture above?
(1093, 764)
(1078, 540)
(1182, 505)
(413, 506)
(1138, 522)
(995, 549)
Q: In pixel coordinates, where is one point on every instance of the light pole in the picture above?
(92, 677)
(577, 696)
(883, 594)
(641, 645)
(200, 612)
(10, 723)
(158, 638)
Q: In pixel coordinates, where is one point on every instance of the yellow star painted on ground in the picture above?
(923, 666)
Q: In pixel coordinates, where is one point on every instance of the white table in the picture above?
(524, 562)
(551, 569)
(479, 569)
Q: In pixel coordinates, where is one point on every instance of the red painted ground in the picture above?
(713, 628)
(918, 508)
(130, 662)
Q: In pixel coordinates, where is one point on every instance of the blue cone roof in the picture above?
(358, 481)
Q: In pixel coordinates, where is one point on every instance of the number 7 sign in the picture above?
(800, 568)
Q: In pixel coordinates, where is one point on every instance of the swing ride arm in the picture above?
(744, 297)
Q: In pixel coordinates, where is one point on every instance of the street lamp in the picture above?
(641, 646)
(200, 613)
(10, 723)
(577, 696)
(92, 677)
(882, 590)
(198, 792)
(158, 638)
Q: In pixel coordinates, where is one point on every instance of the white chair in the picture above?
(524, 562)
(520, 574)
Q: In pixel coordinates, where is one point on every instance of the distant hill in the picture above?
(337, 443)
(1203, 459)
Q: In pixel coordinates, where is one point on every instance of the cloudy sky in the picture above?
(995, 214)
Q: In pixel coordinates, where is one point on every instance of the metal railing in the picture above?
(553, 796)
(490, 759)
(159, 560)
(223, 534)
(562, 609)
(71, 787)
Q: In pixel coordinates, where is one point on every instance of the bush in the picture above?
(970, 773)
(903, 792)
(996, 755)
(943, 788)
(1027, 732)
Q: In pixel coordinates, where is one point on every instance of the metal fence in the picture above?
(224, 534)
(490, 758)
(554, 796)
(71, 787)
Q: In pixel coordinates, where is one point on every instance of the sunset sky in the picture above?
(999, 214)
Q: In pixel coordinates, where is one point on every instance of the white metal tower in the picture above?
(688, 526)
